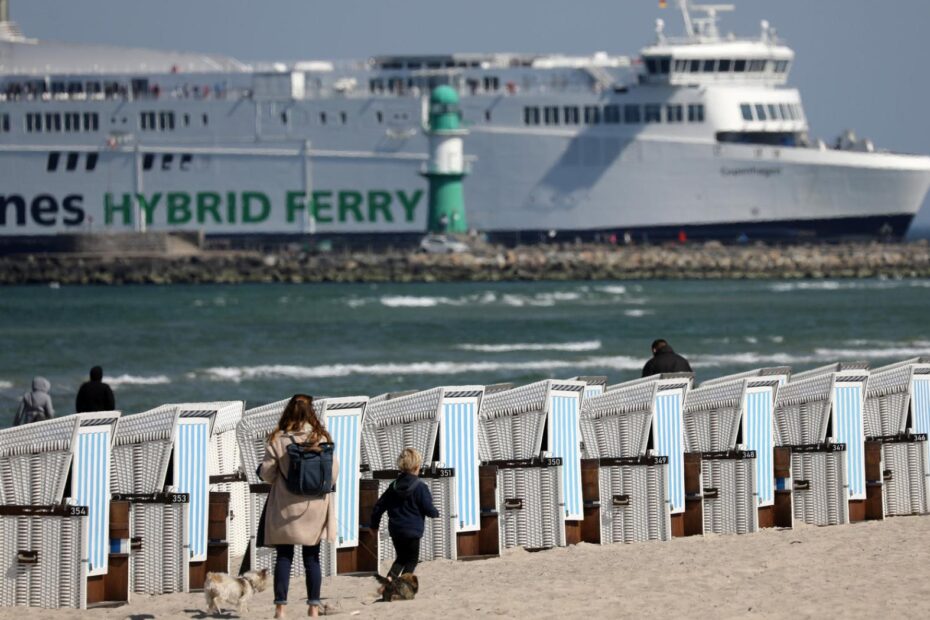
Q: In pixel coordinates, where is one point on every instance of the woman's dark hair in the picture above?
(298, 414)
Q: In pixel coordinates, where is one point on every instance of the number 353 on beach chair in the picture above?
(531, 434)
(343, 418)
(56, 515)
(897, 421)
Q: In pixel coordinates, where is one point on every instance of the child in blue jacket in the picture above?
(407, 502)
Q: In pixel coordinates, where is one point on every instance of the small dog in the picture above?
(234, 590)
(403, 588)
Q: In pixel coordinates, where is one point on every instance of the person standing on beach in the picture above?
(408, 502)
(36, 405)
(664, 360)
(292, 519)
(94, 395)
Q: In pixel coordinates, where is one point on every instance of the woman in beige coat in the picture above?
(296, 519)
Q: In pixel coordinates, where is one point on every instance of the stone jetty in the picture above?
(484, 264)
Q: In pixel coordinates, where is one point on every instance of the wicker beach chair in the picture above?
(819, 415)
(594, 385)
(343, 418)
(745, 402)
(897, 420)
(629, 492)
(55, 514)
(532, 435)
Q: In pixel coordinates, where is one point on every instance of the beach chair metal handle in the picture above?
(802, 485)
(711, 493)
(887, 475)
(27, 557)
(513, 504)
(135, 544)
(621, 500)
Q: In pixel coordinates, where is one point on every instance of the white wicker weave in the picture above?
(733, 509)
(634, 503)
(824, 502)
(439, 539)
(617, 423)
(529, 507)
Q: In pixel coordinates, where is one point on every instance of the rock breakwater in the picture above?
(485, 264)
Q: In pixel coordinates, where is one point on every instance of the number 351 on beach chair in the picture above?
(343, 418)
(56, 523)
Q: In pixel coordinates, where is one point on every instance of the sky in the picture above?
(859, 63)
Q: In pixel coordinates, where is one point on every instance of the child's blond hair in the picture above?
(409, 460)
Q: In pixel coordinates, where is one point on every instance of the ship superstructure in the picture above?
(699, 134)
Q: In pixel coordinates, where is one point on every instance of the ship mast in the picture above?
(702, 27)
(4, 11)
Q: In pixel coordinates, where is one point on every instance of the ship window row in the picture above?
(613, 114)
(56, 122)
(167, 162)
(771, 112)
(416, 85)
(166, 121)
(662, 65)
(71, 161)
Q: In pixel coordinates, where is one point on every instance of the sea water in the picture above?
(265, 342)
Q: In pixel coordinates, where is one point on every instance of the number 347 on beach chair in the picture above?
(343, 418)
(56, 516)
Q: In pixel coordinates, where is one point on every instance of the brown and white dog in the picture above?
(402, 588)
(234, 590)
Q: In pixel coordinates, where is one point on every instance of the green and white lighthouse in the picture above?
(445, 168)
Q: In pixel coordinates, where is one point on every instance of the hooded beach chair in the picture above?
(442, 425)
(668, 440)
(531, 434)
(819, 415)
(630, 491)
(897, 421)
(354, 550)
(57, 522)
(161, 466)
(594, 385)
(742, 407)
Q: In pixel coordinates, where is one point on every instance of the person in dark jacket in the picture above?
(36, 405)
(95, 395)
(664, 360)
(408, 502)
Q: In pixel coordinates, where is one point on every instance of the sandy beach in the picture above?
(862, 570)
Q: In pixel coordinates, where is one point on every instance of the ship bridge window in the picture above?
(674, 113)
(612, 114)
(166, 121)
(767, 138)
(760, 112)
(739, 66)
(785, 113)
(756, 66)
(710, 66)
(52, 121)
(695, 66)
(746, 111)
(5, 123)
(773, 112)
(72, 121)
(681, 66)
(592, 115)
(551, 115)
(652, 113)
(724, 65)
(492, 83)
(658, 64)
(147, 121)
(781, 66)
(33, 122)
(631, 114)
(531, 115)
(572, 115)
(91, 121)
(696, 113)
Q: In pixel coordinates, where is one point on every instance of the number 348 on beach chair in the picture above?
(56, 522)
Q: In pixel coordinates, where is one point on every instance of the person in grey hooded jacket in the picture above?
(36, 405)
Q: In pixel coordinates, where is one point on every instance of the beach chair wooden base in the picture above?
(819, 491)
(43, 557)
(783, 507)
(484, 543)
(729, 492)
(691, 521)
(632, 500)
(159, 543)
(114, 586)
(530, 503)
(217, 546)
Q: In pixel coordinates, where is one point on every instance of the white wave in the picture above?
(820, 355)
(518, 301)
(901, 351)
(751, 358)
(751, 339)
(244, 373)
(777, 339)
(6, 385)
(586, 345)
(137, 380)
(879, 284)
(408, 301)
(356, 303)
(637, 312)
(613, 289)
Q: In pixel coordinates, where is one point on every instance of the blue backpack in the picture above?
(310, 469)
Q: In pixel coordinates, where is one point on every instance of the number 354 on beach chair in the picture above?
(819, 415)
(531, 434)
(56, 516)
(897, 421)
(442, 424)
(343, 417)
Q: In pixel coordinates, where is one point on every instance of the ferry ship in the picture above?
(698, 135)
